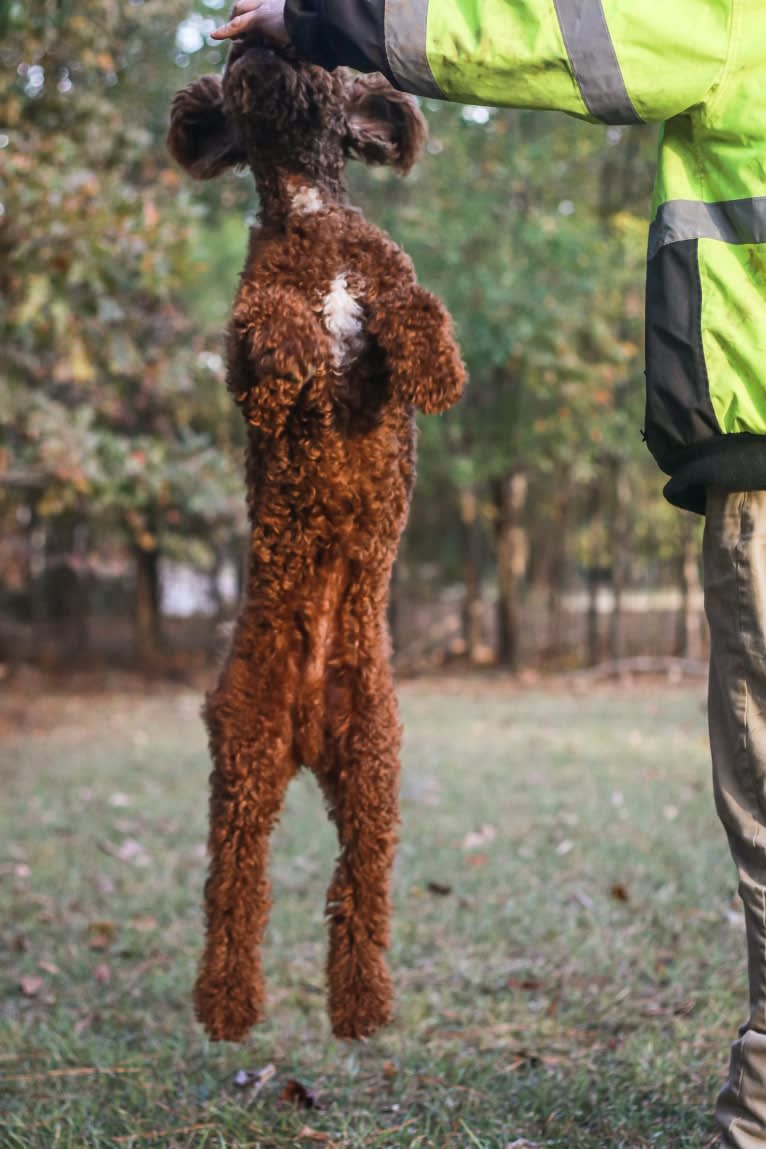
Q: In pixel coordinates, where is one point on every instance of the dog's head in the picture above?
(270, 109)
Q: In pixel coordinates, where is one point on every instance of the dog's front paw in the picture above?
(267, 405)
(295, 364)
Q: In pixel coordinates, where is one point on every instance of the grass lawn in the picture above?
(568, 953)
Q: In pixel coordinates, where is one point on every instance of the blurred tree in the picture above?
(116, 275)
(114, 406)
(533, 228)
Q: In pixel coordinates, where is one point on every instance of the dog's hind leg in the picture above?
(359, 775)
(249, 720)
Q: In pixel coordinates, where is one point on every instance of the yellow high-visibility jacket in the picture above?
(699, 67)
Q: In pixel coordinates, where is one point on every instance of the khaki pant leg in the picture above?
(734, 560)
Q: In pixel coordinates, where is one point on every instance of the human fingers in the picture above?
(266, 17)
(240, 23)
(241, 19)
(243, 6)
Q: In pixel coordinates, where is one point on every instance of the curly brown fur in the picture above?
(331, 347)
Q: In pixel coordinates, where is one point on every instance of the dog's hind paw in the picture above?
(228, 1008)
(360, 994)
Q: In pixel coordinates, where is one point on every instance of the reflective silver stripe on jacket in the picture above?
(405, 32)
(594, 61)
(731, 221)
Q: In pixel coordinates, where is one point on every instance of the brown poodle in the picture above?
(331, 347)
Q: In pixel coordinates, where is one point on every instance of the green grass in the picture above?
(575, 983)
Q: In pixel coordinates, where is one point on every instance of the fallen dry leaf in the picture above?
(306, 1133)
(48, 967)
(527, 1059)
(31, 985)
(583, 899)
(101, 934)
(84, 1023)
(295, 1093)
(477, 860)
(477, 838)
(678, 1009)
(527, 983)
(256, 1078)
(144, 924)
(131, 850)
(390, 1069)
(619, 892)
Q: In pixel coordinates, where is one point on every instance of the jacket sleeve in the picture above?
(614, 61)
(344, 32)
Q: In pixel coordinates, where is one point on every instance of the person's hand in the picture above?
(265, 18)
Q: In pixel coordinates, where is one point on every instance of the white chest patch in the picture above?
(343, 317)
(306, 200)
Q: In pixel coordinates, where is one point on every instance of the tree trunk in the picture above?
(62, 590)
(510, 496)
(620, 555)
(557, 573)
(78, 613)
(471, 610)
(216, 598)
(395, 608)
(214, 584)
(593, 575)
(688, 638)
(591, 619)
(148, 622)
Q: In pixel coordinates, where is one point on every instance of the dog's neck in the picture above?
(284, 195)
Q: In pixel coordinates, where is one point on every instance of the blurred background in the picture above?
(568, 956)
(538, 535)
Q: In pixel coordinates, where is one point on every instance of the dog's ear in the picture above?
(200, 137)
(383, 126)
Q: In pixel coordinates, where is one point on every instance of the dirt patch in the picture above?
(34, 703)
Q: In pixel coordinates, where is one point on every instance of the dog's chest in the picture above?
(343, 320)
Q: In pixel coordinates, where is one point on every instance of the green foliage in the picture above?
(115, 399)
(533, 228)
(507, 220)
(116, 275)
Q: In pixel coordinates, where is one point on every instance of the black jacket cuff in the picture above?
(333, 33)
